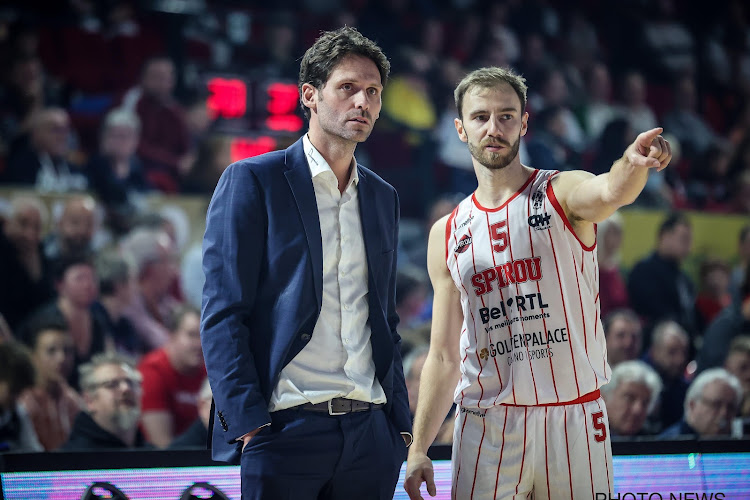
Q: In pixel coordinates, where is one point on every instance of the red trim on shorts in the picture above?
(586, 398)
(561, 212)
(502, 447)
(520, 190)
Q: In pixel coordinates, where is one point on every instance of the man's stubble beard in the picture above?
(494, 161)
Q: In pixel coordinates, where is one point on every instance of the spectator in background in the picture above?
(117, 289)
(683, 120)
(710, 405)
(549, 147)
(657, 287)
(622, 329)
(22, 261)
(172, 378)
(613, 293)
(732, 322)
(196, 436)
(111, 390)
(617, 133)
(554, 92)
(633, 103)
(16, 375)
(77, 289)
(413, 363)
(737, 363)
(597, 109)
(51, 403)
(42, 161)
(214, 155)
(115, 172)
(668, 355)
(630, 395)
(154, 256)
(713, 294)
(743, 260)
(709, 184)
(165, 142)
(74, 233)
(412, 289)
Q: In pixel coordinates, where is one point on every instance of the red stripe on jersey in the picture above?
(583, 322)
(523, 327)
(458, 271)
(520, 190)
(565, 311)
(539, 290)
(559, 209)
(523, 454)
(448, 231)
(479, 452)
(502, 298)
(567, 452)
(502, 447)
(606, 458)
(588, 447)
(476, 339)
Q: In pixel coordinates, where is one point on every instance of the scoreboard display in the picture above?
(259, 115)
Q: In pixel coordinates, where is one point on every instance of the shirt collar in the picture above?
(318, 164)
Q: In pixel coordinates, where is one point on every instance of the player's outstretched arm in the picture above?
(586, 197)
(441, 369)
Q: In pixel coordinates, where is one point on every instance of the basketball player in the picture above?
(516, 328)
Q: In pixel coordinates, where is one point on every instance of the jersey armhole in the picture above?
(558, 208)
(448, 232)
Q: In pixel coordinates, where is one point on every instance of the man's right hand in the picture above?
(247, 437)
(419, 470)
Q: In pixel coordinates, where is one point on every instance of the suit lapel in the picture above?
(300, 182)
(370, 229)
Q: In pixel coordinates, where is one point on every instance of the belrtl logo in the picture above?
(463, 244)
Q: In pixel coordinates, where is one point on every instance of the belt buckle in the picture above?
(334, 413)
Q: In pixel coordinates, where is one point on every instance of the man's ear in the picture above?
(310, 96)
(460, 129)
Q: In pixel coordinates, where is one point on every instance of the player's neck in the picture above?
(497, 186)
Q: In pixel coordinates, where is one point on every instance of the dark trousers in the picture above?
(306, 455)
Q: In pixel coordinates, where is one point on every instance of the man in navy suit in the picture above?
(299, 321)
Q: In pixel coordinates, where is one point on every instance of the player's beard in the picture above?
(495, 160)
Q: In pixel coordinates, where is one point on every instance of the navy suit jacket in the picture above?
(263, 261)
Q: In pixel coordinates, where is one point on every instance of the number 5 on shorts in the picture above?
(600, 432)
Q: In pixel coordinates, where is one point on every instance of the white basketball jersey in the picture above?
(530, 298)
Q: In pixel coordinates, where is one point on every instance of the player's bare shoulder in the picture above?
(436, 248)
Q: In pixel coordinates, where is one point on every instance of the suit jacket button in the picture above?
(305, 337)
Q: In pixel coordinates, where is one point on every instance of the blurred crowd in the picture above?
(104, 104)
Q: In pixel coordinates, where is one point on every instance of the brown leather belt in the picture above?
(341, 406)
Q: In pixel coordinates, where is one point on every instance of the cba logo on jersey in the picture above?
(463, 244)
(540, 222)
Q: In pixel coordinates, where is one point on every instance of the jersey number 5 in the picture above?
(600, 433)
(499, 236)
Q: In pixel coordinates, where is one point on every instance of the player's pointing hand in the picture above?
(650, 150)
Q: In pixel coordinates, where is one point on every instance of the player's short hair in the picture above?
(488, 78)
(635, 371)
(327, 52)
(695, 390)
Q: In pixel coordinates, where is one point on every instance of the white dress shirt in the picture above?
(337, 361)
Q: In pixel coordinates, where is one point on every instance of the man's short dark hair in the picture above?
(61, 266)
(42, 321)
(622, 313)
(327, 52)
(673, 220)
